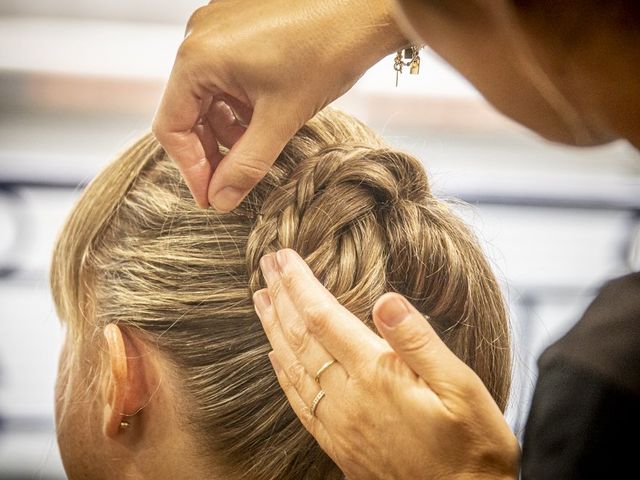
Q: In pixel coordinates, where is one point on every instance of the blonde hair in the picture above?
(137, 251)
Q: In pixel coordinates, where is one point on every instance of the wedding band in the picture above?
(316, 401)
(323, 368)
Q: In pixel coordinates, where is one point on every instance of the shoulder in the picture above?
(606, 341)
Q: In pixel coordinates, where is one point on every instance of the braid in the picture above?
(363, 217)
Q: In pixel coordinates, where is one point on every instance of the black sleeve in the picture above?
(581, 427)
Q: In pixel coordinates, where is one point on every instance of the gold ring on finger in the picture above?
(316, 401)
(323, 368)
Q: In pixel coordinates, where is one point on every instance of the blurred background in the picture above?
(79, 80)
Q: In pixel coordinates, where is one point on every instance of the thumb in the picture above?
(252, 156)
(416, 342)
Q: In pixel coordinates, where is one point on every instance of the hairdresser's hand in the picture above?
(400, 408)
(276, 63)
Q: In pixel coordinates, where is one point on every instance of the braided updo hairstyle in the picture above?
(142, 254)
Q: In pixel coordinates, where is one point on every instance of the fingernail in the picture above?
(274, 361)
(269, 268)
(261, 301)
(227, 199)
(281, 258)
(393, 310)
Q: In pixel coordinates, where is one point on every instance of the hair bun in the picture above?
(362, 216)
(331, 209)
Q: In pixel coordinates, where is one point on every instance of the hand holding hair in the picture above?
(276, 63)
(402, 406)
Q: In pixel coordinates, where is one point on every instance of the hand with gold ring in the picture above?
(402, 406)
(321, 393)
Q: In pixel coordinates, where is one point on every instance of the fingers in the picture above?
(224, 124)
(209, 143)
(241, 110)
(297, 372)
(269, 130)
(416, 342)
(299, 387)
(289, 337)
(308, 311)
(312, 423)
(173, 126)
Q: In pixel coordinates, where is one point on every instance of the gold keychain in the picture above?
(409, 57)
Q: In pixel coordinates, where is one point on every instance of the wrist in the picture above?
(387, 33)
(371, 33)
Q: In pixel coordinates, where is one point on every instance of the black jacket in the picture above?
(585, 415)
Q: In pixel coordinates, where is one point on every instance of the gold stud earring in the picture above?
(124, 424)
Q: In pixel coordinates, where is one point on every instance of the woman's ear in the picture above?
(126, 389)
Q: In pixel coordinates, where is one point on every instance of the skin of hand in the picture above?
(398, 407)
(249, 74)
